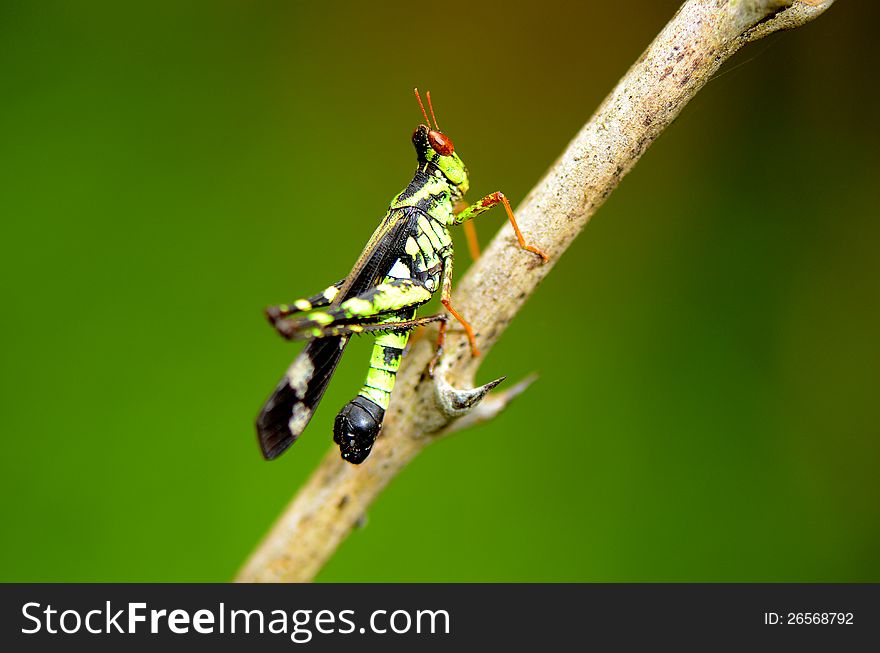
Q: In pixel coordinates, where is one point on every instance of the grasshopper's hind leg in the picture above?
(380, 327)
(389, 309)
(277, 313)
(386, 299)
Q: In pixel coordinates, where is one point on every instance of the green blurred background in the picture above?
(709, 409)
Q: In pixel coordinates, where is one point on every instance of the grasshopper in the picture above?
(407, 259)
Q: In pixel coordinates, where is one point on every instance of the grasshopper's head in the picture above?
(433, 146)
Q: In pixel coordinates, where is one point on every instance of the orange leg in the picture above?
(441, 337)
(467, 327)
(446, 300)
(519, 236)
(487, 203)
(441, 340)
(473, 243)
(470, 230)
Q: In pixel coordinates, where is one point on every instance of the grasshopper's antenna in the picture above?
(431, 107)
(424, 113)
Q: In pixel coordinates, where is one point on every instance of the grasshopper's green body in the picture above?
(407, 259)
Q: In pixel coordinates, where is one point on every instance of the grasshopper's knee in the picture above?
(285, 328)
(273, 314)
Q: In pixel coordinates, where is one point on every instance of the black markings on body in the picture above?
(390, 355)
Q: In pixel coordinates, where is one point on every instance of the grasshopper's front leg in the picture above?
(487, 203)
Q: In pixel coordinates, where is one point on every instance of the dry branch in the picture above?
(683, 57)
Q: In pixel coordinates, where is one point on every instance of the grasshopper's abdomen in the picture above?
(358, 424)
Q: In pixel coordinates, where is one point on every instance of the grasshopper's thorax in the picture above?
(440, 179)
(429, 191)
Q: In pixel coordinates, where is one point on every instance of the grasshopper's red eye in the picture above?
(440, 142)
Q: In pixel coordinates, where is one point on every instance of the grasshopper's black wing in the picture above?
(290, 408)
(288, 411)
